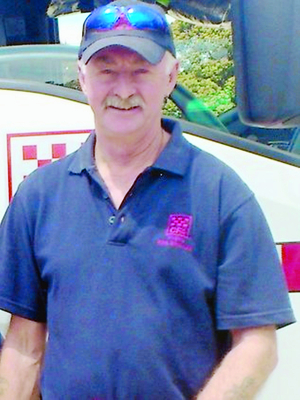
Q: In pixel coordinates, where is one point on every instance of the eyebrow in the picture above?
(107, 59)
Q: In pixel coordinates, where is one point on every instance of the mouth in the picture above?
(123, 109)
(126, 105)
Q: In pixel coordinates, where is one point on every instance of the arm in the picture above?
(21, 359)
(246, 366)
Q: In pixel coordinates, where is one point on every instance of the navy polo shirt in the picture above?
(138, 300)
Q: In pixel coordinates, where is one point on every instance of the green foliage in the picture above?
(205, 54)
(74, 84)
(171, 110)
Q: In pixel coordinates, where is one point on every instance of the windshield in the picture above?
(205, 93)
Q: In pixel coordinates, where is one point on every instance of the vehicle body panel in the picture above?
(274, 184)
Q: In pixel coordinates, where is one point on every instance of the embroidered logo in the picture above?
(177, 233)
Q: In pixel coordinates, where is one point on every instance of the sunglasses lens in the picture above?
(103, 19)
(142, 18)
(138, 17)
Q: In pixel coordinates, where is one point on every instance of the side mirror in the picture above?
(267, 61)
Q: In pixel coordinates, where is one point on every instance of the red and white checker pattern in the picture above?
(26, 152)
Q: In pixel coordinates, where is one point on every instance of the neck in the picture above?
(139, 151)
(120, 162)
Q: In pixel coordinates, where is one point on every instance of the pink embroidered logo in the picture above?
(177, 232)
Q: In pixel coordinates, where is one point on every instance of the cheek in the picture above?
(162, 88)
(95, 91)
(156, 94)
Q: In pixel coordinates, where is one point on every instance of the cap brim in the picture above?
(146, 48)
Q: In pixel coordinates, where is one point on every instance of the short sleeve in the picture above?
(251, 289)
(21, 287)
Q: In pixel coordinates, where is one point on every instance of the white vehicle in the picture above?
(41, 122)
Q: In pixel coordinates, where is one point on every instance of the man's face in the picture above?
(125, 92)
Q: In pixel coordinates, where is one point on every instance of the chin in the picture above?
(123, 126)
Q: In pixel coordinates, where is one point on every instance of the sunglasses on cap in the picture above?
(137, 16)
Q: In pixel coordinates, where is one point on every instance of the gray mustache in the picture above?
(130, 102)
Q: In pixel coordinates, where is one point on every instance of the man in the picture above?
(147, 261)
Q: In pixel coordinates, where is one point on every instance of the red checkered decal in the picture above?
(26, 152)
(289, 254)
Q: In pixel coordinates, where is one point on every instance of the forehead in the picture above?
(118, 54)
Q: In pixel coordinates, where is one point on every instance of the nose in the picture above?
(124, 86)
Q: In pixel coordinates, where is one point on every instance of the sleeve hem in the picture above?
(280, 319)
(22, 311)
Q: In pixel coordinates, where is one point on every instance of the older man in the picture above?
(147, 261)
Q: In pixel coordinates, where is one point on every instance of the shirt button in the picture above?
(122, 218)
(111, 219)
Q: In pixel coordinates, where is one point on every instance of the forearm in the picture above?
(21, 359)
(19, 376)
(244, 369)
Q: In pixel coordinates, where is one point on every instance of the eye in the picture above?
(107, 71)
(141, 71)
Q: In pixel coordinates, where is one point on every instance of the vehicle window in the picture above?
(205, 94)
(207, 70)
(205, 52)
(44, 63)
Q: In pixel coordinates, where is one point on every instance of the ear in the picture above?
(81, 76)
(172, 78)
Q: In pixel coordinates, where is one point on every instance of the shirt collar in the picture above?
(84, 157)
(174, 158)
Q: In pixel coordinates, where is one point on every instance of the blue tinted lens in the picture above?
(139, 17)
(144, 18)
(103, 19)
